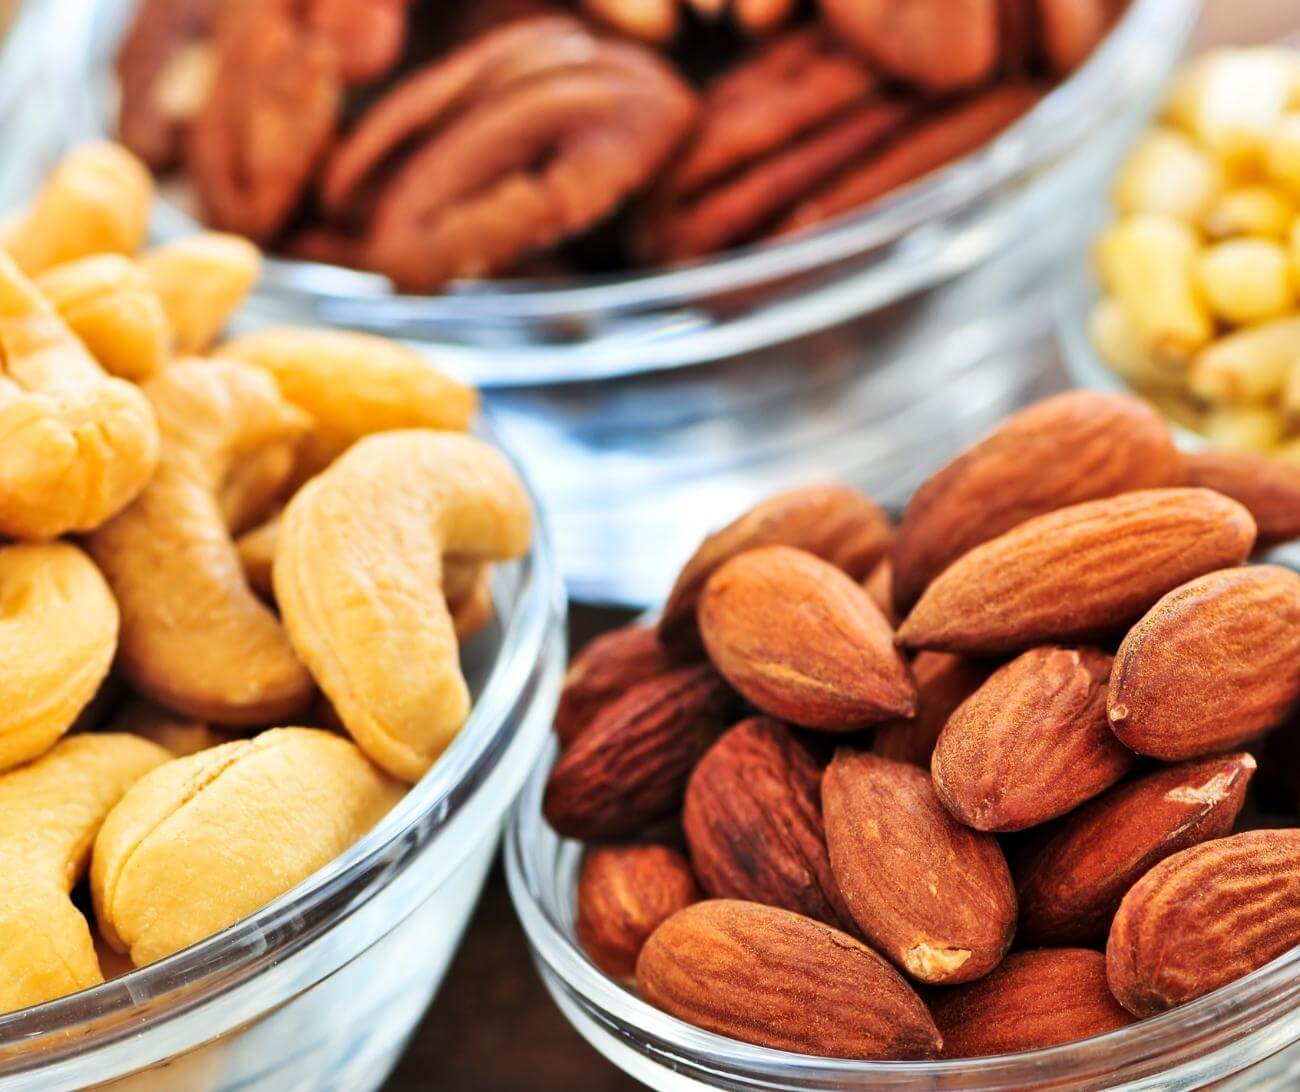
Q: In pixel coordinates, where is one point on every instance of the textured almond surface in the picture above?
(1214, 663)
(778, 979)
(606, 668)
(1078, 573)
(1205, 917)
(1030, 744)
(880, 586)
(1072, 448)
(1071, 881)
(1034, 999)
(803, 642)
(1269, 488)
(753, 822)
(943, 682)
(931, 894)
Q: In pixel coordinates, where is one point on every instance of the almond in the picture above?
(1213, 664)
(1078, 573)
(932, 895)
(1205, 917)
(833, 522)
(1269, 488)
(753, 822)
(1030, 744)
(777, 979)
(803, 642)
(880, 586)
(1071, 881)
(607, 667)
(1034, 999)
(943, 682)
(1075, 447)
(631, 764)
(624, 894)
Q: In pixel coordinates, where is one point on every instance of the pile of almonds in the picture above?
(963, 787)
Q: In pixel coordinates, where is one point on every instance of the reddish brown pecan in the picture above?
(368, 34)
(660, 20)
(1071, 30)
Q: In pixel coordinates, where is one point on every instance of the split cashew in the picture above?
(202, 280)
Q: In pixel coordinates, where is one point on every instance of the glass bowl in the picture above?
(1245, 1036)
(321, 989)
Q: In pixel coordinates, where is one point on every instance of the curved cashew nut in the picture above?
(195, 845)
(50, 811)
(176, 734)
(201, 281)
(75, 444)
(58, 633)
(194, 636)
(358, 576)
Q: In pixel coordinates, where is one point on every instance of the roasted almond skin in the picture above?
(1205, 917)
(943, 682)
(608, 666)
(1070, 881)
(1076, 447)
(777, 979)
(833, 522)
(1034, 999)
(753, 824)
(631, 764)
(1269, 488)
(803, 642)
(929, 893)
(880, 586)
(1030, 744)
(1078, 573)
(624, 894)
(1212, 665)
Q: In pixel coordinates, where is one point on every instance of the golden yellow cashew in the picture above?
(202, 280)
(194, 636)
(110, 304)
(96, 202)
(50, 811)
(58, 633)
(206, 840)
(358, 577)
(177, 735)
(76, 445)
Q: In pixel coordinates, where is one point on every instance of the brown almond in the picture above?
(1079, 446)
(631, 764)
(1205, 917)
(930, 894)
(803, 642)
(1269, 488)
(624, 894)
(1071, 880)
(880, 586)
(607, 667)
(1212, 665)
(1033, 1000)
(833, 522)
(753, 823)
(1030, 744)
(777, 979)
(1078, 573)
(943, 682)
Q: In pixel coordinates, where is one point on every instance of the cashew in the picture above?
(256, 487)
(471, 613)
(177, 735)
(194, 636)
(96, 202)
(58, 632)
(110, 304)
(205, 840)
(202, 280)
(76, 445)
(358, 577)
(50, 811)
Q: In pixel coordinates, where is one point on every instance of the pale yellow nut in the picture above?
(256, 487)
(76, 444)
(1249, 365)
(1253, 209)
(1116, 339)
(359, 573)
(1282, 153)
(1291, 391)
(257, 555)
(205, 840)
(1288, 451)
(110, 304)
(1180, 409)
(175, 734)
(202, 280)
(1167, 173)
(1246, 281)
(96, 201)
(1148, 263)
(646, 20)
(1243, 428)
(50, 812)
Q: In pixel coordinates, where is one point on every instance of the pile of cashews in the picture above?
(234, 583)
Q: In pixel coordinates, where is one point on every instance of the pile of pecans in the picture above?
(963, 787)
(432, 141)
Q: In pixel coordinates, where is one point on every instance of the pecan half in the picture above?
(660, 20)
(368, 34)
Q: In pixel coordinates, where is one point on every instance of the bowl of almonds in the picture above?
(998, 796)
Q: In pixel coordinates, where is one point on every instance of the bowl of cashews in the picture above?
(281, 640)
